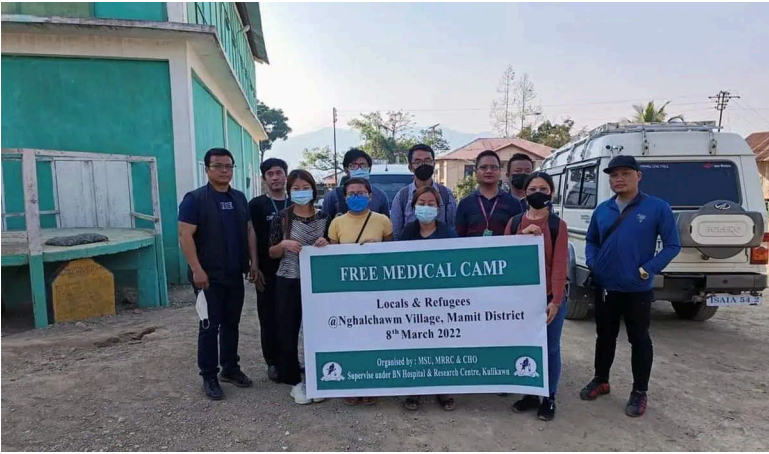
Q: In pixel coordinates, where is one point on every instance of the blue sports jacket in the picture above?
(614, 262)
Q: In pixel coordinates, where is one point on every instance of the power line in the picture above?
(752, 110)
(592, 103)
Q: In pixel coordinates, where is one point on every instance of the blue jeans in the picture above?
(554, 330)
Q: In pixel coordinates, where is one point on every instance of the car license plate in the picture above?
(725, 299)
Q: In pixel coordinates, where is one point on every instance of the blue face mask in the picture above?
(360, 173)
(357, 203)
(425, 214)
(302, 197)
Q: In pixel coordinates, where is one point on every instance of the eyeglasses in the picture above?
(419, 162)
(354, 166)
(220, 167)
(486, 167)
(363, 193)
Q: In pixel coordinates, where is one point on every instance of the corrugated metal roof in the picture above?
(759, 143)
(471, 150)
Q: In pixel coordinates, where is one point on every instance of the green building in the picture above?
(166, 80)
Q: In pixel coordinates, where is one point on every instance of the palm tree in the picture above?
(650, 114)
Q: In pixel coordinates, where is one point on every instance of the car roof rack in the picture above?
(620, 128)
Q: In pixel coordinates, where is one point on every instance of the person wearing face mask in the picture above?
(539, 220)
(519, 167)
(422, 164)
(359, 225)
(357, 164)
(298, 226)
(427, 226)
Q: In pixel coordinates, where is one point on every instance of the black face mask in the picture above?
(424, 172)
(518, 180)
(538, 200)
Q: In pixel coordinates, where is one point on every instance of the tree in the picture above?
(648, 113)
(433, 136)
(385, 137)
(320, 159)
(524, 97)
(465, 186)
(502, 109)
(553, 135)
(275, 123)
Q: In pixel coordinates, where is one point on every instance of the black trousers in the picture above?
(289, 322)
(266, 305)
(635, 308)
(218, 340)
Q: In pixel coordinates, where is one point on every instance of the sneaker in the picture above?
(272, 373)
(546, 410)
(636, 405)
(237, 378)
(213, 389)
(594, 389)
(528, 403)
(299, 393)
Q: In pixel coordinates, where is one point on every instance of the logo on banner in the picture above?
(332, 372)
(525, 366)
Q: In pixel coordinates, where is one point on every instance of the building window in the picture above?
(469, 170)
(581, 188)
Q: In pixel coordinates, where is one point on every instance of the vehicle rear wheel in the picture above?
(579, 303)
(698, 312)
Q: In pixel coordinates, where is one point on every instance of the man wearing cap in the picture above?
(620, 253)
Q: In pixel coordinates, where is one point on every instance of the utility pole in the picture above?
(722, 99)
(336, 164)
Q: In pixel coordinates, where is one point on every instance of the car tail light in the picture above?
(766, 237)
(759, 255)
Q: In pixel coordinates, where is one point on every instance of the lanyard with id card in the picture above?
(487, 231)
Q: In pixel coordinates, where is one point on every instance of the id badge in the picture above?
(488, 232)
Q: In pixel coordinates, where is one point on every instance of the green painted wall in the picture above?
(208, 115)
(150, 11)
(235, 145)
(93, 105)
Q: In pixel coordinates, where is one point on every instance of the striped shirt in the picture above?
(306, 231)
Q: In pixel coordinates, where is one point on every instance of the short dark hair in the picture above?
(485, 153)
(217, 152)
(539, 174)
(425, 190)
(353, 154)
(301, 174)
(357, 181)
(420, 147)
(519, 157)
(273, 162)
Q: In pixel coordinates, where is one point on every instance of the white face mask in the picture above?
(201, 306)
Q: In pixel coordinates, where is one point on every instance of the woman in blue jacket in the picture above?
(426, 227)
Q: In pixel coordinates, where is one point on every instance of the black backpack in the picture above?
(342, 201)
(553, 224)
(443, 190)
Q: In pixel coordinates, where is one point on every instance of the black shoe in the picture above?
(528, 403)
(636, 405)
(272, 373)
(595, 388)
(213, 389)
(546, 410)
(237, 378)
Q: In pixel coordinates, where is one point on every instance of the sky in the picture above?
(443, 61)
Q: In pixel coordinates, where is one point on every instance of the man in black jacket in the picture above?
(219, 245)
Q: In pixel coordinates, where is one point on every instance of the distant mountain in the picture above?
(291, 149)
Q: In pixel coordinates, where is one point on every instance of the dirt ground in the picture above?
(130, 383)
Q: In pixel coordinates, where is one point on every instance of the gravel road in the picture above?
(130, 383)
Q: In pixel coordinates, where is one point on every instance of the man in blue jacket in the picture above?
(620, 252)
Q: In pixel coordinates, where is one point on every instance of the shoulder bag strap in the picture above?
(619, 220)
(364, 227)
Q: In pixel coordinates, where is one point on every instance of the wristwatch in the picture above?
(643, 273)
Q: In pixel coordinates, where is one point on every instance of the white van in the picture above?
(711, 181)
